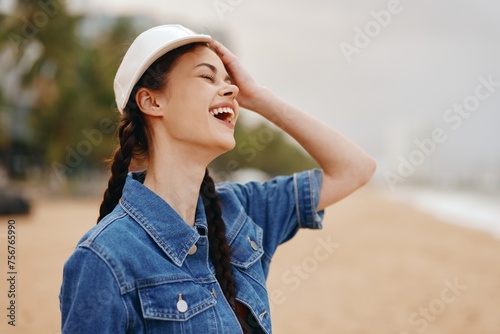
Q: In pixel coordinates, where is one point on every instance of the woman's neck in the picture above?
(177, 180)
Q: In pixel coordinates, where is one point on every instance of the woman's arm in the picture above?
(90, 298)
(346, 167)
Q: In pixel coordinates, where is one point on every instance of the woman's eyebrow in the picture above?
(214, 69)
(210, 66)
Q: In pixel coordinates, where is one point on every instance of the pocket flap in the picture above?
(247, 245)
(160, 302)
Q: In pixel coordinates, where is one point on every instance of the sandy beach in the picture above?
(377, 267)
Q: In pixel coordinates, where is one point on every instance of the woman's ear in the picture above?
(149, 102)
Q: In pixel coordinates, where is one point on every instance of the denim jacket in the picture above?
(142, 269)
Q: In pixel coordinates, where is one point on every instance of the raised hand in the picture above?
(250, 91)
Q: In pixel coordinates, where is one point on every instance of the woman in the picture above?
(172, 252)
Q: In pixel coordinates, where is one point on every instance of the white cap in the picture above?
(146, 48)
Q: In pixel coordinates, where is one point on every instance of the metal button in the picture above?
(254, 245)
(182, 305)
(193, 250)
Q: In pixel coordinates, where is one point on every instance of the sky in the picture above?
(385, 73)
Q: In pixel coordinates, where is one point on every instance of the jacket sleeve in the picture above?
(90, 298)
(281, 205)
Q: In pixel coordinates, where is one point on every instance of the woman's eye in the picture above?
(208, 76)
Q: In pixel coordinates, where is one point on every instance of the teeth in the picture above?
(226, 110)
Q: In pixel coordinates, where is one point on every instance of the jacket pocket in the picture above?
(247, 244)
(247, 251)
(178, 307)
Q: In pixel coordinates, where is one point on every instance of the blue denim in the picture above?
(134, 272)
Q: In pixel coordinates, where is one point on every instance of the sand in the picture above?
(377, 267)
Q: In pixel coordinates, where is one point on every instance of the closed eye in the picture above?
(208, 77)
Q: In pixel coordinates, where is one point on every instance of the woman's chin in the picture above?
(230, 145)
(225, 146)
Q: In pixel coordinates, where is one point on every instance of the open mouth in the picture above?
(225, 114)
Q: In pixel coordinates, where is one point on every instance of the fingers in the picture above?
(241, 78)
(218, 47)
(225, 55)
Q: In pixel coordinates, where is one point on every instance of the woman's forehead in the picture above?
(202, 55)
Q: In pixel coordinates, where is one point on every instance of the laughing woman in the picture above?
(172, 251)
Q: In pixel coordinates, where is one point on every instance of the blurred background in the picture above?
(415, 83)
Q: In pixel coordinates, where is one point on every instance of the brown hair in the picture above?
(132, 135)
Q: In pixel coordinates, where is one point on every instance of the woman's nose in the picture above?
(229, 90)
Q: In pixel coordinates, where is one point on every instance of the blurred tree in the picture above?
(65, 100)
(41, 38)
(263, 147)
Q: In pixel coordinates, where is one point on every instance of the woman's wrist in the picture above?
(260, 101)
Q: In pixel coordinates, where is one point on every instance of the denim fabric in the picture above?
(132, 273)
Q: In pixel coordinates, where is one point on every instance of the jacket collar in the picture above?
(168, 230)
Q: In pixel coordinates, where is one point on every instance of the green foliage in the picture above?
(71, 79)
(263, 147)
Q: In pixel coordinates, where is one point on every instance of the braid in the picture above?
(128, 130)
(219, 249)
(220, 252)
